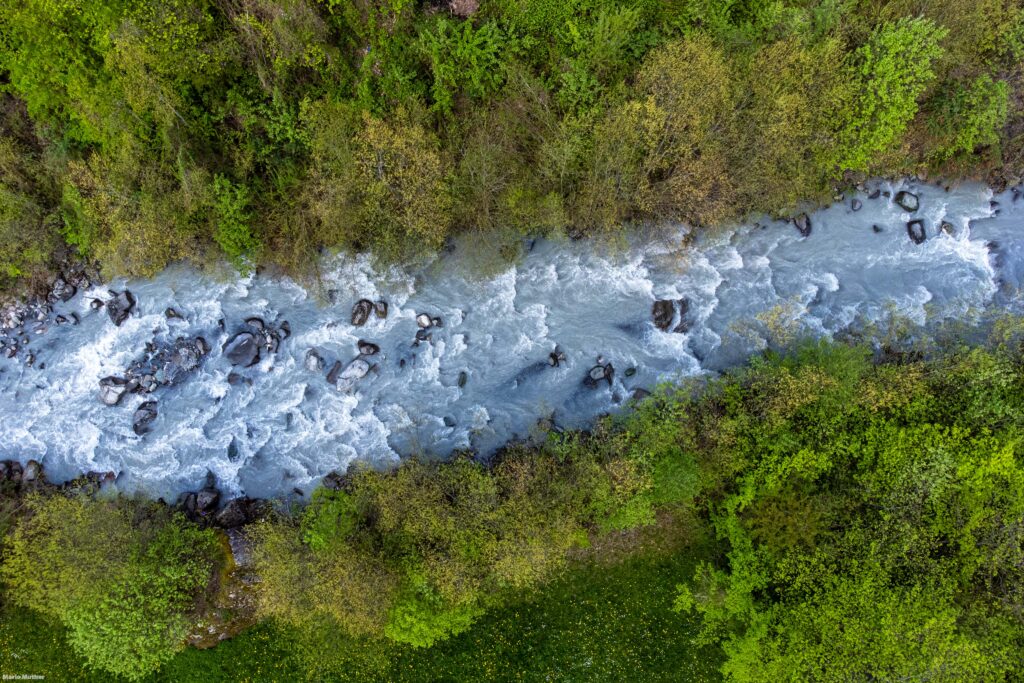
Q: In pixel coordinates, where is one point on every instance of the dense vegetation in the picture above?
(264, 131)
(826, 514)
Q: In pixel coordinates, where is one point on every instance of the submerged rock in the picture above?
(908, 201)
(361, 312)
(314, 361)
(916, 231)
(120, 306)
(143, 418)
(332, 374)
(355, 370)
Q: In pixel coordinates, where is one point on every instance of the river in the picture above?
(484, 375)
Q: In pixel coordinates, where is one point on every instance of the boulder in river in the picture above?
(424, 321)
(172, 314)
(916, 231)
(314, 361)
(361, 312)
(556, 357)
(367, 348)
(143, 417)
(875, 194)
(112, 390)
(120, 306)
(803, 224)
(908, 201)
(663, 311)
(256, 325)
(355, 370)
(243, 349)
(380, 308)
(33, 472)
(856, 204)
(332, 374)
(684, 323)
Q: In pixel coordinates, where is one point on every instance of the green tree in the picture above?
(894, 69)
(121, 576)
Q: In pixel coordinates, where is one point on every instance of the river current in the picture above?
(485, 374)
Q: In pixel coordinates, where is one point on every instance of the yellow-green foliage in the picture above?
(120, 576)
(419, 553)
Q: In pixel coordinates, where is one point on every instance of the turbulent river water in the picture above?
(485, 376)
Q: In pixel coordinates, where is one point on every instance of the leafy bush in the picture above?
(121, 577)
(232, 232)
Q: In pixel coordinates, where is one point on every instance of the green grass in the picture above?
(599, 623)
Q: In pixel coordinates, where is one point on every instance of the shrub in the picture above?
(120, 576)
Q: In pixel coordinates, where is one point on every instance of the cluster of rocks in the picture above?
(161, 365)
(204, 507)
(664, 313)
(246, 347)
(20, 321)
(341, 375)
(426, 323)
(364, 307)
(31, 477)
(602, 372)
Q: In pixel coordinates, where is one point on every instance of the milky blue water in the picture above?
(289, 427)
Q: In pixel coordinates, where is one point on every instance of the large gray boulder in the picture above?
(803, 224)
(143, 417)
(361, 312)
(112, 390)
(243, 349)
(908, 201)
(120, 306)
(663, 311)
(355, 370)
